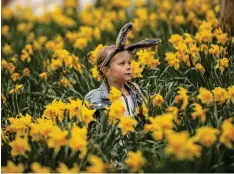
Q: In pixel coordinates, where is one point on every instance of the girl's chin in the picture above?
(128, 79)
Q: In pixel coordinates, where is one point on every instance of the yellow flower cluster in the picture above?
(97, 165)
(189, 48)
(126, 124)
(199, 113)
(114, 94)
(227, 136)
(95, 73)
(19, 125)
(7, 13)
(182, 96)
(146, 58)
(59, 18)
(220, 95)
(137, 69)
(206, 136)
(27, 52)
(5, 30)
(81, 112)
(19, 146)
(135, 160)
(41, 129)
(81, 38)
(25, 27)
(46, 129)
(93, 55)
(7, 50)
(181, 146)
(64, 169)
(205, 96)
(222, 64)
(159, 125)
(63, 57)
(57, 138)
(6, 65)
(143, 18)
(78, 140)
(36, 167)
(158, 100)
(16, 89)
(101, 17)
(116, 111)
(56, 44)
(13, 168)
(56, 110)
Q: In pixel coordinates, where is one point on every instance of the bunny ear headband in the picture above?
(121, 43)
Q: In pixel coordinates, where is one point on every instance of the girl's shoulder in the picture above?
(95, 100)
(93, 96)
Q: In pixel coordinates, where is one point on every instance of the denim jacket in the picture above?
(99, 97)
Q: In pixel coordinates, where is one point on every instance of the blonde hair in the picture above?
(102, 54)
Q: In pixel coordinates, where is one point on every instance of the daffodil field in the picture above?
(48, 66)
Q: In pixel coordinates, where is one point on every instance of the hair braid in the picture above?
(137, 90)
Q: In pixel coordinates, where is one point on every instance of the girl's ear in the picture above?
(104, 70)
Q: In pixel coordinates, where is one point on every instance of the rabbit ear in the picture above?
(120, 43)
(122, 36)
(144, 44)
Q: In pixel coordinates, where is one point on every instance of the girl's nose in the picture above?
(128, 66)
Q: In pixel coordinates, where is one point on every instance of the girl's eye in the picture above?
(122, 63)
(129, 63)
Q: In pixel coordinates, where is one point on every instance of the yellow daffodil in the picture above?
(97, 165)
(136, 69)
(200, 68)
(222, 64)
(19, 146)
(127, 124)
(206, 136)
(93, 55)
(114, 94)
(182, 95)
(37, 168)
(199, 113)
(13, 168)
(57, 138)
(205, 96)
(220, 95)
(227, 135)
(135, 161)
(44, 75)
(231, 93)
(158, 100)
(64, 169)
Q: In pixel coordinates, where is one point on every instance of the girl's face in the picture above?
(120, 70)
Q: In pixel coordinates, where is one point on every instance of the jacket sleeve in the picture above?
(94, 99)
(88, 96)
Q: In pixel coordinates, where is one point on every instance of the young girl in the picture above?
(117, 73)
(114, 65)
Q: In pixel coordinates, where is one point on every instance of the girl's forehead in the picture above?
(123, 55)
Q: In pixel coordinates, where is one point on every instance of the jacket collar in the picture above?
(104, 91)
